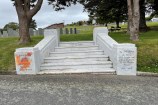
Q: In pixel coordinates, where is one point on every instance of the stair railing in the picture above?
(28, 60)
(123, 56)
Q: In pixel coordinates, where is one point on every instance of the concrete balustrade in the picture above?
(123, 56)
(28, 60)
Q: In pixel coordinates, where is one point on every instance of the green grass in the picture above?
(85, 34)
(7, 49)
(147, 47)
(80, 37)
(149, 24)
(152, 24)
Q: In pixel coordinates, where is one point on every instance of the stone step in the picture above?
(87, 70)
(76, 53)
(76, 43)
(76, 65)
(81, 48)
(74, 59)
(77, 57)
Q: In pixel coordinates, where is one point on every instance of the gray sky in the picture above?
(45, 16)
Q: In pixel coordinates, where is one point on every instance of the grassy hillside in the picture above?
(147, 47)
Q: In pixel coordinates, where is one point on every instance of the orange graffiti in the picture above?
(29, 53)
(17, 60)
(24, 62)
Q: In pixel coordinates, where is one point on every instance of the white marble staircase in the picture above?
(77, 57)
(50, 56)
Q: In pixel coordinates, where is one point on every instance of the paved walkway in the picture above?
(83, 89)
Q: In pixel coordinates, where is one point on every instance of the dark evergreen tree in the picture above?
(33, 24)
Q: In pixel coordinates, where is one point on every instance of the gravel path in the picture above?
(83, 89)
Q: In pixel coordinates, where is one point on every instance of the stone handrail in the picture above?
(28, 60)
(48, 44)
(123, 56)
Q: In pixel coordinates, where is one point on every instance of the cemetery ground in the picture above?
(147, 47)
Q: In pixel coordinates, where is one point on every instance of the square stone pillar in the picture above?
(126, 59)
(27, 60)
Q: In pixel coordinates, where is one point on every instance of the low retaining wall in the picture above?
(28, 60)
(123, 56)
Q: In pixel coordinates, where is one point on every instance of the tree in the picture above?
(142, 23)
(133, 19)
(107, 10)
(155, 6)
(89, 22)
(26, 9)
(11, 25)
(80, 23)
(33, 24)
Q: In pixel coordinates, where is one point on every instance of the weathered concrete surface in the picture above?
(83, 89)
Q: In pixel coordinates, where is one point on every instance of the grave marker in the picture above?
(75, 31)
(40, 31)
(12, 32)
(67, 31)
(5, 34)
(31, 31)
(71, 31)
(61, 31)
(36, 33)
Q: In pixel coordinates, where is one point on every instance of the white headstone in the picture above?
(12, 32)
(40, 31)
(36, 33)
(94, 21)
(31, 31)
(17, 32)
(5, 34)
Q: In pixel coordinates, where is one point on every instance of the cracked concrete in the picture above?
(78, 89)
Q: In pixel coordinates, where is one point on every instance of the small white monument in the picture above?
(5, 34)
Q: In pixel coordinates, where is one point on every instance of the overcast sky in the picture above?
(45, 16)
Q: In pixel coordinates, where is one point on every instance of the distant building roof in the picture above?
(55, 26)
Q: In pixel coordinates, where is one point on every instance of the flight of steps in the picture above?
(77, 57)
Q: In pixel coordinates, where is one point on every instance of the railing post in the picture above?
(50, 32)
(27, 60)
(99, 30)
(126, 59)
(58, 36)
(123, 56)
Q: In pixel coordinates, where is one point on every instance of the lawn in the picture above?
(7, 49)
(147, 47)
